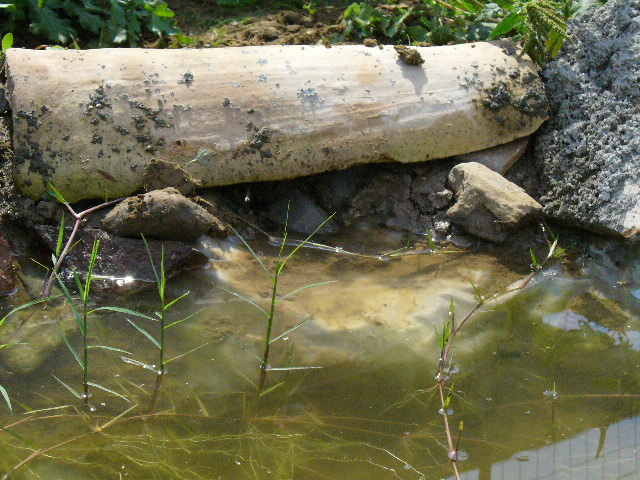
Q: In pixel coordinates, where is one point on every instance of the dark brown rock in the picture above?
(123, 264)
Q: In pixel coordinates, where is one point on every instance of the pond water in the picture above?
(547, 386)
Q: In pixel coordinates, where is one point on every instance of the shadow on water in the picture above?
(371, 411)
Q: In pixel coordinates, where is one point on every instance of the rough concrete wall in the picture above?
(588, 155)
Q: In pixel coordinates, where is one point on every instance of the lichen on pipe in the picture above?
(91, 121)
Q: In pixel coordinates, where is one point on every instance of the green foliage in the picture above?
(362, 20)
(540, 25)
(270, 311)
(102, 23)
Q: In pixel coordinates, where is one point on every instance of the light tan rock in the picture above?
(90, 121)
(499, 158)
(163, 214)
(487, 204)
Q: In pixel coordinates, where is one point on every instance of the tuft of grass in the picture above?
(81, 313)
(270, 311)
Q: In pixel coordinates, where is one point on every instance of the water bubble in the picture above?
(552, 394)
(448, 412)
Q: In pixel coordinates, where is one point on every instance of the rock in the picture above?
(499, 158)
(7, 271)
(588, 156)
(161, 174)
(429, 193)
(123, 264)
(272, 113)
(164, 215)
(304, 215)
(487, 205)
(34, 334)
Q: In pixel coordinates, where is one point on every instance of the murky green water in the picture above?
(370, 412)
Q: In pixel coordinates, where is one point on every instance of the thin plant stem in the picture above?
(46, 291)
(443, 377)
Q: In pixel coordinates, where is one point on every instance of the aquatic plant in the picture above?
(270, 311)
(446, 337)
(160, 342)
(82, 319)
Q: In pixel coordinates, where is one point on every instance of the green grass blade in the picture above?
(73, 392)
(111, 349)
(304, 288)
(185, 353)
(163, 279)
(251, 302)
(72, 304)
(144, 332)
(185, 318)
(255, 255)
(109, 391)
(78, 283)
(245, 348)
(123, 310)
(168, 305)
(271, 389)
(53, 191)
(27, 305)
(153, 266)
(133, 361)
(60, 237)
(291, 329)
(92, 264)
(71, 349)
(304, 242)
(5, 395)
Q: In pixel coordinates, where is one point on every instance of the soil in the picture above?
(217, 26)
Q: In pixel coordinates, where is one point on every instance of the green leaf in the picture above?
(185, 353)
(183, 319)
(7, 41)
(27, 305)
(251, 302)
(109, 391)
(53, 191)
(163, 10)
(533, 258)
(123, 310)
(507, 24)
(304, 242)
(133, 361)
(73, 392)
(60, 237)
(92, 264)
(5, 395)
(144, 332)
(304, 288)
(245, 348)
(291, 329)
(72, 305)
(71, 349)
(253, 253)
(112, 349)
(271, 389)
(168, 305)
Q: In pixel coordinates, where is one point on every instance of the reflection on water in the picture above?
(370, 412)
